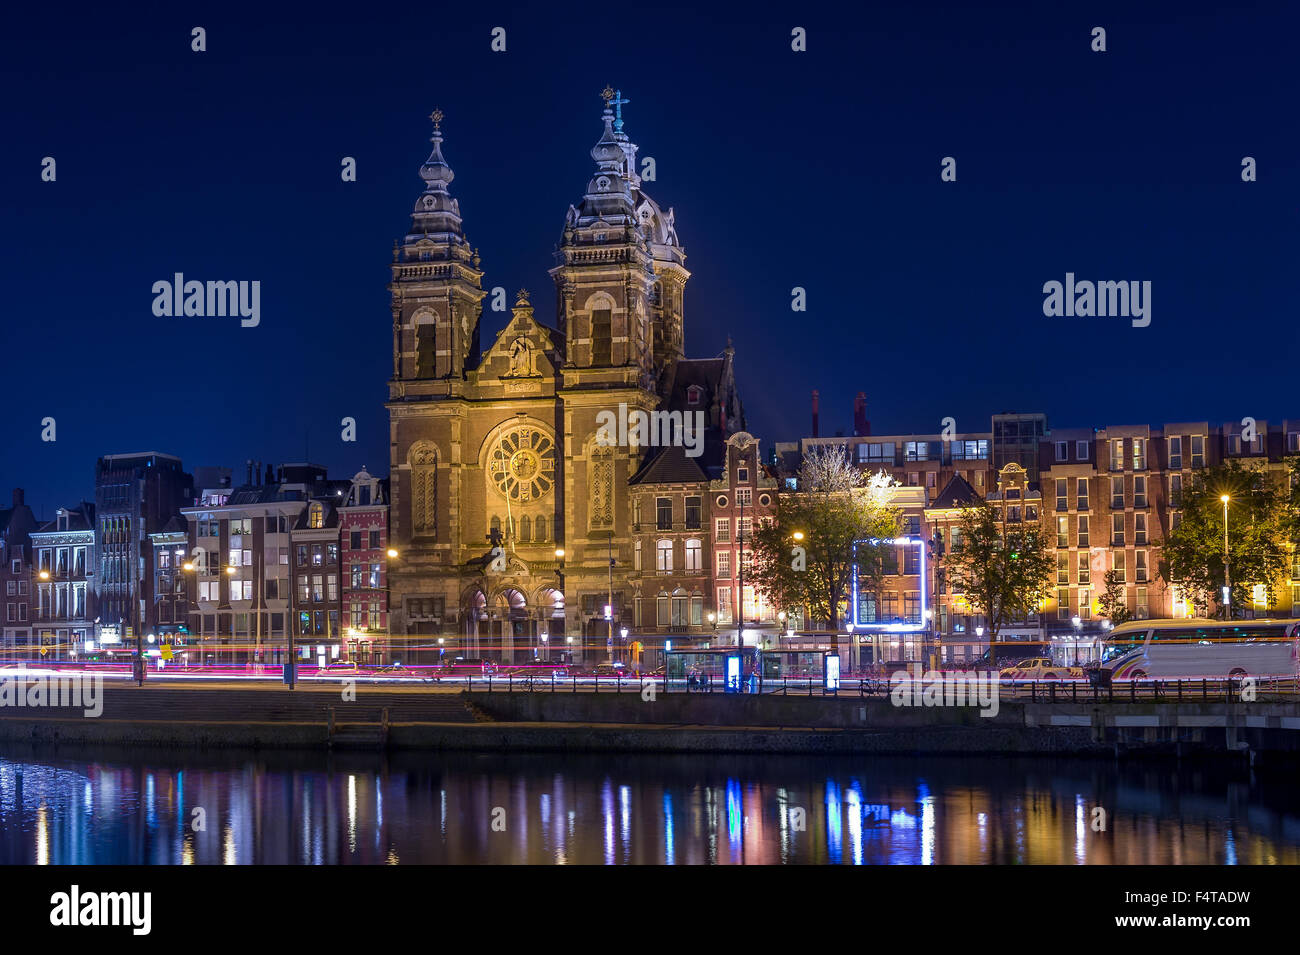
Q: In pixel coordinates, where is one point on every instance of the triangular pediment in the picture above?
(525, 350)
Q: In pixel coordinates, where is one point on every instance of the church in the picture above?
(512, 518)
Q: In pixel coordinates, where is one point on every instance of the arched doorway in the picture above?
(552, 639)
(511, 624)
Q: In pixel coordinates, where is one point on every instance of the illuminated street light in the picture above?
(559, 552)
(392, 552)
(230, 570)
(45, 575)
(798, 535)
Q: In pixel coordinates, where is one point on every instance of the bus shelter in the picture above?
(739, 669)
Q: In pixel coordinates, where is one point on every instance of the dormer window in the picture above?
(694, 395)
(316, 517)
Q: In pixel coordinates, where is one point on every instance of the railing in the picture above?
(1034, 691)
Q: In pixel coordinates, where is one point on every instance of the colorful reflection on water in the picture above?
(68, 806)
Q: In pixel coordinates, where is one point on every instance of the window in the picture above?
(1142, 612)
(636, 555)
(1234, 444)
(1119, 568)
(317, 588)
(1117, 493)
(1139, 490)
(1117, 454)
(1139, 528)
(664, 513)
(1062, 605)
(744, 526)
(724, 564)
(745, 496)
(1293, 442)
(697, 610)
(693, 513)
(1062, 494)
(1062, 568)
(1139, 454)
(664, 556)
(1117, 530)
(302, 555)
(742, 475)
(1062, 450)
(1085, 570)
(1140, 566)
(724, 605)
(722, 530)
(1198, 450)
(317, 555)
(912, 561)
(1062, 531)
(1175, 490)
(1081, 450)
(1083, 531)
(601, 337)
(662, 609)
(316, 516)
(1176, 452)
(376, 539)
(679, 608)
(694, 555)
(1081, 494)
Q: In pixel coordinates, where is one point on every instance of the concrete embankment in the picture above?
(269, 717)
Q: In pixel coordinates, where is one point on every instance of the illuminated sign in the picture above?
(831, 673)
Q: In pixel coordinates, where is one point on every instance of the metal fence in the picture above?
(1037, 691)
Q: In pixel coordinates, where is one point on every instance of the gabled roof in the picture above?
(956, 493)
(670, 466)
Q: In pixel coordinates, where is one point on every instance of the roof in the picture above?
(670, 465)
(956, 493)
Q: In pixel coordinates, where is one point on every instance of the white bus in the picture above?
(1194, 648)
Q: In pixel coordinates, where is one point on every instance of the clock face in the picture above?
(522, 464)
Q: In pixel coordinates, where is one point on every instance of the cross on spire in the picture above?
(618, 103)
(436, 116)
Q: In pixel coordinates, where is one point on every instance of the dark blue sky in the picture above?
(816, 169)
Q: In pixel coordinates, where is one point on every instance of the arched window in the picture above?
(539, 529)
(694, 555)
(664, 555)
(679, 607)
(525, 529)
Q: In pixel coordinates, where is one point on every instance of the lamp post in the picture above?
(1078, 626)
(1227, 575)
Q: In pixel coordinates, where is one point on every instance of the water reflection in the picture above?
(71, 806)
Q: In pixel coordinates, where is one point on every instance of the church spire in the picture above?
(436, 215)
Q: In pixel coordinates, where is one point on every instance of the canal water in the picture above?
(72, 806)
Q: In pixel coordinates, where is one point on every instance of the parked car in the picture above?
(1041, 668)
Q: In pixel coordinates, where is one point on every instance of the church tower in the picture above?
(435, 285)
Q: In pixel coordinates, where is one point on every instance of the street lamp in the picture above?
(1078, 626)
(1227, 576)
(622, 633)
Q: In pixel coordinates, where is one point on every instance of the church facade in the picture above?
(510, 510)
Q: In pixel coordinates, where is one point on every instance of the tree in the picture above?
(1261, 520)
(1002, 570)
(1114, 603)
(834, 507)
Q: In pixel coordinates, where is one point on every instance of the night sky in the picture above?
(816, 169)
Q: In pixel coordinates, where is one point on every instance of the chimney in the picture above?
(249, 472)
(259, 472)
(861, 426)
(18, 497)
(814, 411)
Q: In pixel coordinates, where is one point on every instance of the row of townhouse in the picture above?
(1105, 496)
(219, 575)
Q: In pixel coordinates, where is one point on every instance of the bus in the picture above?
(1196, 648)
